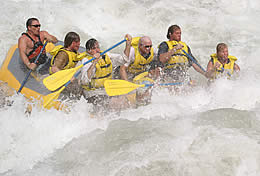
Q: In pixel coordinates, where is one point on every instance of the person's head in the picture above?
(174, 33)
(145, 45)
(92, 46)
(33, 26)
(72, 41)
(222, 51)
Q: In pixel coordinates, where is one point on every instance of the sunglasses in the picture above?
(148, 46)
(36, 25)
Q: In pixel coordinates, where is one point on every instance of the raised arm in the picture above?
(128, 44)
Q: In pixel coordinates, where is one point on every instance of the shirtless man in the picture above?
(31, 42)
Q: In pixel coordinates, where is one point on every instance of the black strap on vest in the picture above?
(101, 77)
(35, 44)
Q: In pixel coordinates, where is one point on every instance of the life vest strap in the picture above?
(105, 66)
(37, 46)
(102, 76)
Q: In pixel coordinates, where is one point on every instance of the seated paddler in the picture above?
(172, 54)
(31, 42)
(94, 74)
(66, 57)
(141, 56)
(221, 63)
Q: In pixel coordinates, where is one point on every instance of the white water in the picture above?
(211, 131)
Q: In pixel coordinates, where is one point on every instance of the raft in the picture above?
(13, 72)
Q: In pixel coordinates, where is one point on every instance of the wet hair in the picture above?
(29, 21)
(221, 46)
(71, 37)
(172, 29)
(90, 44)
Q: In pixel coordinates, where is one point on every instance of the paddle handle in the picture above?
(28, 74)
(165, 84)
(194, 60)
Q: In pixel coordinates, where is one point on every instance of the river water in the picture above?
(210, 131)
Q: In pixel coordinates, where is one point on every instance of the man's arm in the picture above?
(128, 45)
(210, 70)
(123, 68)
(49, 37)
(123, 72)
(60, 61)
(22, 51)
(198, 69)
(195, 63)
(164, 54)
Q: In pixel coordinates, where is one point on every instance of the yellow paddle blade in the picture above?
(58, 79)
(48, 100)
(119, 87)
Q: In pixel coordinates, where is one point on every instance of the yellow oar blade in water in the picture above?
(58, 79)
(120, 87)
(48, 100)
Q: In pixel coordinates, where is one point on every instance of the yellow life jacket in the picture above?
(140, 62)
(179, 57)
(73, 57)
(142, 77)
(226, 68)
(104, 70)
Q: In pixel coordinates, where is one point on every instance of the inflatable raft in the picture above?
(13, 72)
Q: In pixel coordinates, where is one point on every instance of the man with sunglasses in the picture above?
(31, 43)
(141, 56)
(174, 59)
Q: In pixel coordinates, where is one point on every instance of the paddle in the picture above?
(58, 79)
(56, 94)
(49, 98)
(28, 74)
(116, 87)
(194, 60)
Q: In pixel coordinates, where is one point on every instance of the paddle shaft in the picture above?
(28, 74)
(164, 84)
(119, 43)
(194, 60)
